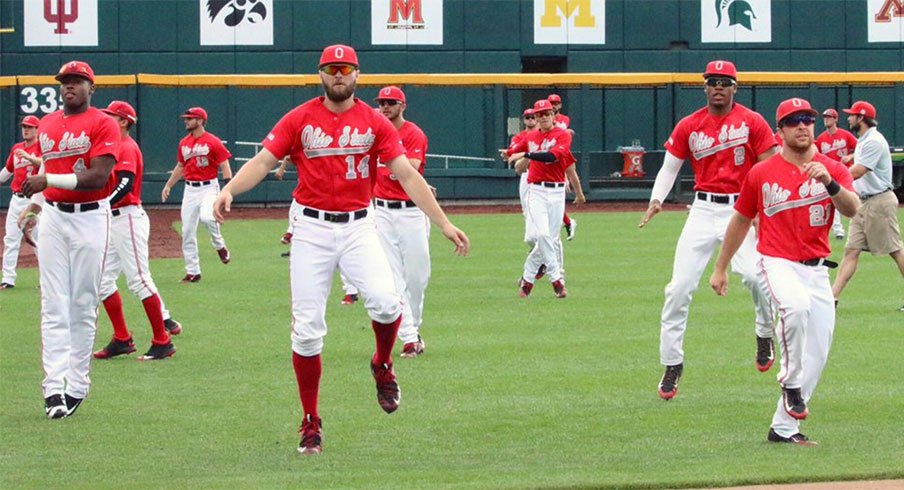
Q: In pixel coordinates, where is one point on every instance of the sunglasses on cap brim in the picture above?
(720, 82)
(333, 69)
(796, 119)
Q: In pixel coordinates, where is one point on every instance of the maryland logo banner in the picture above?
(569, 22)
(406, 21)
(736, 21)
(885, 19)
(60, 23)
(236, 22)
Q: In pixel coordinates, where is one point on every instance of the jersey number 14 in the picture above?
(363, 167)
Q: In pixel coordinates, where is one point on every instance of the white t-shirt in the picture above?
(873, 153)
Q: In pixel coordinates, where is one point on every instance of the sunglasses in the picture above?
(529, 117)
(388, 102)
(720, 82)
(797, 119)
(332, 70)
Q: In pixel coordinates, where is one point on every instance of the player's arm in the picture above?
(870, 152)
(226, 169)
(665, 180)
(416, 187)
(766, 154)
(858, 171)
(178, 170)
(125, 182)
(281, 171)
(92, 179)
(575, 181)
(251, 173)
(415, 163)
(734, 237)
(5, 175)
(35, 160)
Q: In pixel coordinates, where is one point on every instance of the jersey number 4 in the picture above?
(363, 167)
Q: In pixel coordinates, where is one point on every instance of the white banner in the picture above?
(406, 21)
(60, 22)
(236, 22)
(736, 21)
(885, 19)
(569, 22)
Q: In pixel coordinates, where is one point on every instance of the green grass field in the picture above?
(511, 393)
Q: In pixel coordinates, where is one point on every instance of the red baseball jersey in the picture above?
(795, 211)
(22, 168)
(837, 145)
(69, 143)
(517, 139)
(722, 149)
(556, 141)
(130, 160)
(562, 121)
(201, 156)
(415, 142)
(335, 154)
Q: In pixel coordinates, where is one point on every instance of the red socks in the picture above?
(155, 315)
(307, 374)
(113, 306)
(566, 219)
(386, 336)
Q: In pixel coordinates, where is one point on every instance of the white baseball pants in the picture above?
(703, 231)
(837, 225)
(545, 205)
(318, 247)
(802, 295)
(13, 239)
(405, 236)
(347, 287)
(197, 205)
(71, 258)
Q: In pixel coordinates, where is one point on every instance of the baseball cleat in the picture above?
(572, 229)
(413, 349)
(224, 255)
(559, 287)
(191, 278)
(349, 299)
(668, 385)
(286, 238)
(287, 253)
(839, 236)
(116, 348)
(7, 285)
(765, 353)
(172, 326)
(72, 404)
(799, 439)
(540, 272)
(525, 288)
(794, 403)
(388, 393)
(311, 432)
(54, 407)
(158, 351)
(899, 309)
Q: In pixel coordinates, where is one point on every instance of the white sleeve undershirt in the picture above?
(665, 179)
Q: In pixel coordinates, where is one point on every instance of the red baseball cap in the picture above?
(77, 68)
(30, 121)
(554, 99)
(123, 110)
(793, 106)
(830, 113)
(338, 53)
(542, 105)
(391, 92)
(862, 108)
(721, 68)
(527, 112)
(195, 113)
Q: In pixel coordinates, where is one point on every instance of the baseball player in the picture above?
(403, 228)
(794, 194)
(546, 155)
(723, 141)
(839, 144)
(335, 141)
(24, 161)
(79, 146)
(875, 228)
(199, 158)
(564, 122)
(128, 251)
(530, 122)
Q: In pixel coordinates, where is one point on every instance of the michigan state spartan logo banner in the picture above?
(735, 21)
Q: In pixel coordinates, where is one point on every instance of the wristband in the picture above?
(833, 188)
(62, 181)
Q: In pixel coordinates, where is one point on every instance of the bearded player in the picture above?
(335, 141)
(723, 141)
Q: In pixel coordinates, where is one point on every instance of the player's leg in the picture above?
(539, 202)
(390, 230)
(121, 342)
(415, 245)
(351, 292)
(53, 254)
(530, 235)
(837, 225)
(856, 242)
(205, 215)
(191, 208)
(12, 240)
(138, 277)
(746, 263)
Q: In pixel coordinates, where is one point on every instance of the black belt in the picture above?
(198, 183)
(394, 204)
(334, 217)
(115, 212)
(868, 196)
(554, 185)
(717, 198)
(816, 262)
(19, 194)
(74, 207)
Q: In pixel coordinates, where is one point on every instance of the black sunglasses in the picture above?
(529, 117)
(719, 82)
(797, 119)
(388, 102)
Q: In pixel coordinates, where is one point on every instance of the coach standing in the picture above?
(875, 228)
(80, 145)
(794, 194)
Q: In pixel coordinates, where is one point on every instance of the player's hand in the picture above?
(503, 153)
(34, 185)
(280, 173)
(432, 190)
(847, 159)
(580, 199)
(21, 153)
(719, 282)
(652, 210)
(27, 222)
(458, 237)
(164, 194)
(222, 205)
(816, 170)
